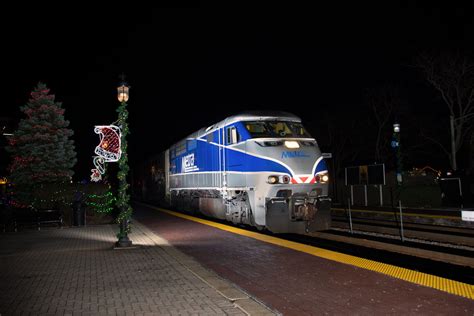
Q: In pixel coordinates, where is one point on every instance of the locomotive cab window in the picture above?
(232, 135)
(276, 129)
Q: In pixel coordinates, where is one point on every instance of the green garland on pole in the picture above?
(123, 198)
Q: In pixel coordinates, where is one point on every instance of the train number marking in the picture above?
(187, 164)
(294, 154)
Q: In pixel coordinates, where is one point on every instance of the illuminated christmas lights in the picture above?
(95, 176)
(109, 147)
(103, 203)
(41, 149)
(108, 150)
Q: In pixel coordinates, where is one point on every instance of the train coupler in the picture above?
(300, 213)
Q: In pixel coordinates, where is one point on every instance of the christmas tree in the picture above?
(41, 148)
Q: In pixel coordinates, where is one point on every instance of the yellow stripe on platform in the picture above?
(405, 214)
(432, 281)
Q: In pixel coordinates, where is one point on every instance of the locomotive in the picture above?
(256, 168)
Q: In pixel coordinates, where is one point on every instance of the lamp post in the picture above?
(123, 198)
(453, 142)
(398, 157)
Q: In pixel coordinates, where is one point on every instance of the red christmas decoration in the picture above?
(109, 147)
(108, 150)
(95, 176)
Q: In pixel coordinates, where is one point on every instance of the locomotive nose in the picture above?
(321, 177)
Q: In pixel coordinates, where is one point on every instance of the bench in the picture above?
(36, 217)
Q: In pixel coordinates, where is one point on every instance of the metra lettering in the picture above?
(294, 154)
(187, 163)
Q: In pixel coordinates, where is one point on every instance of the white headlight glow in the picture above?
(273, 179)
(291, 144)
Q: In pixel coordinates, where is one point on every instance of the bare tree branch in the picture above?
(435, 141)
(452, 75)
(382, 102)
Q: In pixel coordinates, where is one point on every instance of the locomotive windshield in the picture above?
(276, 129)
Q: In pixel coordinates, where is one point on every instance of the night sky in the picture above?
(190, 67)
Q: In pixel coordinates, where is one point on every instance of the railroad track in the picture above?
(447, 235)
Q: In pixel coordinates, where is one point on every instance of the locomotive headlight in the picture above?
(273, 179)
(291, 144)
(321, 178)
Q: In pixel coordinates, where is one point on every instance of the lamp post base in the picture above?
(123, 242)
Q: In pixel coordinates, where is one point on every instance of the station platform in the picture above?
(296, 279)
(77, 271)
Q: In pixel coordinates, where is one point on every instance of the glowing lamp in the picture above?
(396, 128)
(122, 92)
(291, 144)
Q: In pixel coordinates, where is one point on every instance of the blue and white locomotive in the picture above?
(261, 169)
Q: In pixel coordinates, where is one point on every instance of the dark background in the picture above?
(190, 67)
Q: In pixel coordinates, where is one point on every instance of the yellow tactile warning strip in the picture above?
(442, 284)
(404, 214)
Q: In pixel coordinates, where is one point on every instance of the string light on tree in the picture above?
(101, 203)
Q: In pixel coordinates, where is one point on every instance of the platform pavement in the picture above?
(76, 271)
